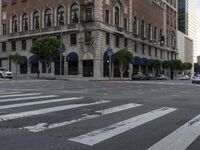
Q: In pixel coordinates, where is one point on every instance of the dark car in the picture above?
(138, 76)
(150, 76)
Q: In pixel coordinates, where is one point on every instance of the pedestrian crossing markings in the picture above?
(180, 139)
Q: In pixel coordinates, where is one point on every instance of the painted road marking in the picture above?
(18, 95)
(46, 110)
(27, 98)
(103, 134)
(181, 138)
(39, 102)
(6, 93)
(45, 126)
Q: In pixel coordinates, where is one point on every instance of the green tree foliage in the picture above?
(166, 64)
(155, 64)
(46, 49)
(124, 57)
(175, 64)
(186, 66)
(16, 59)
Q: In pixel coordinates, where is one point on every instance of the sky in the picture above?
(198, 19)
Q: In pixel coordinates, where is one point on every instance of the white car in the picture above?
(184, 77)
(196, 79)
(4, 73)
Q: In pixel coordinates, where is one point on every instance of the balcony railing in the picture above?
(70, 27)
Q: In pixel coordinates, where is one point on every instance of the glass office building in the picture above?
(183, 16)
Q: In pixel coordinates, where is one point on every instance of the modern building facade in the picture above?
(88, 28)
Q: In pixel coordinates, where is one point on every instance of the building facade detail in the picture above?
(88, 28)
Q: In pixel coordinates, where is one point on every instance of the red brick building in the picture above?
(88, 28)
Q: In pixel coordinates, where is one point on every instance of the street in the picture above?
(99, 115)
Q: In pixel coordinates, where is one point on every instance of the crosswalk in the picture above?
(13, 103)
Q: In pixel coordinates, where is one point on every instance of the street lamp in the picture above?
(110, 53)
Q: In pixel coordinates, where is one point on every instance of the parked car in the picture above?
(196, 79)
(161, 77)
(138, 76)
(150, 76)
(184, 77)
(4, 73)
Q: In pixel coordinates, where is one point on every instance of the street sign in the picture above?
(110, 51)
(61, 50)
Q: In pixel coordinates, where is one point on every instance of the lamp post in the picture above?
(110, 53)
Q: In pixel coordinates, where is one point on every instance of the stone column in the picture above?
(80, 68)
(97, 69)
(53, 68)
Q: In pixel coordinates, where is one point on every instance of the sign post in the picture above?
(110, 53)
(61, 50)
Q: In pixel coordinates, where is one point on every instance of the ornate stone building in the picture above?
(87, 28)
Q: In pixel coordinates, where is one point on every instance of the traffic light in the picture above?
(162, 40)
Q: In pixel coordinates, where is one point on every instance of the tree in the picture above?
(175, 66)
(46, 49)
(16, 59)
(186, 66)
(124, 57)
(155, 64)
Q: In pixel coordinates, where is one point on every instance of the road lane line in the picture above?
(46, 110)
(18, 95)
(44, 126)
(39, 102)
(6, 93)
(27, 98)
(181, 138)
(103, 134)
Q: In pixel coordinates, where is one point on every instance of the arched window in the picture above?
(36, 21)
(117, 16)
(135, 25)
(155, 33)
(149, 31)
(14, 24)
(142, 28)
(25, 22)
(60, 16)
(74, 13)
(48, 18)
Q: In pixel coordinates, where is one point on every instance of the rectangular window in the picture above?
(161, 54)
(143, 52)
(4, 47)
(88, 14)
(135, 47)
(107, 18)
(23, 45)
(13, 45)
(88, 37)
(149, 50)
(73, 39)
(125, 42)
(125, 24)
(4, 29)
(117, 41)
(156, 53)
(107, 38)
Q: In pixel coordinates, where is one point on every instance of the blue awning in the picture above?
(33, 60)
(23, 60)
(106, 57)
(144, 61)
(72, 57)
(136, 61)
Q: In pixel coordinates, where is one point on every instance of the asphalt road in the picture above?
(99, 115)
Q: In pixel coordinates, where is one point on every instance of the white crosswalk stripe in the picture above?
(27, 98)
(19, 95)
(39, 102)
(46, 110)
(181, 138)
(44, 126)
(6, 93)
(103, 134)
